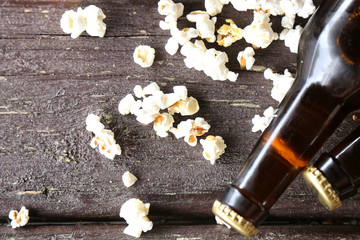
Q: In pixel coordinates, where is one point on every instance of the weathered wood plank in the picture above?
(178, 232)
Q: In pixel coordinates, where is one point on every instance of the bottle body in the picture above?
(326, 89)
(335, 176)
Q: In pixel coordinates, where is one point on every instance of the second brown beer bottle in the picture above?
(326, 89)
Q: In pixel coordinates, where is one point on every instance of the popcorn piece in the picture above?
(259, 32)
(246, 59)
(244, 5)
(73, 23)
(162, 124)
(272, 6)
(288, 21)
(228, 34)
(307, 9)
(181, 91)
(19, 219)
(221, 222)
(292, 38)
(194, 54)
(190, 129)
(185, 107)
(103, 138)
(128, 179)
(261, 123)
(303, 8)
(151, 89)
(94, 21)
(214, 7)
(213, 146)
(184, 35)
(204, 24)
(144, 55)
(168, 7)
(93, 123)
(169, 23)
(215, 65)
(126, 104)
(282, 83)
(135, 212)
(138, 91)
(171, 46)
(146, 116)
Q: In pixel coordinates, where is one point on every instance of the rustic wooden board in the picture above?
(49, 84)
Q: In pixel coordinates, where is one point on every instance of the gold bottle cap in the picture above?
(236, 221)
(320, 186)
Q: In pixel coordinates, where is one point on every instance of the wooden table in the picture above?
(49, 84)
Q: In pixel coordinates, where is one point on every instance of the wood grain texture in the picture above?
(49, 84)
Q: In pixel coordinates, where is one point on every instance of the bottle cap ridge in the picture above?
(321, 187)
(232, 218)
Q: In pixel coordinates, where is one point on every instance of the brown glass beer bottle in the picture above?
(326, 89)
(335, 176)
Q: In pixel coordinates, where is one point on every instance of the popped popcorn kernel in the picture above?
(246, 58)
(94, 21)
(194, 54)
(214, 147)
(244, 5)
(168, 7)
(103, 138)
(144, 55)
(228, 34)
(282, 83)
(261, 123)
(214, 7)
(135, 212)
(19, 219)
(190, 129)
(291, 38)
(162, 124)
(259, 32)
(126, 104)
(184, 35)
(73, 23)
(128, 179)
(204, 24)
(186, 107)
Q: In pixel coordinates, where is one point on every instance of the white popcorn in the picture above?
(146, 116)
(151, 89)
(213, 146)
(246, 58)
(190, 129)
(215, 65)
(162, 124)
(19, 219)
(181, 92)
(168, 7)
(303, 8)
(135, 212)
(144, 55)
(244, 5)
(171, 46)
(259, 32)
(93, 123)
(261, 123)
(282, 83)
(228, 34)
(194, 54)
(94, 21)
(138, 91)
(214, 7)
(183, 36)
(204, 24)
(103, 138)
(307, 9)
(288, 21)
(292, 38)
(128, 179)
(73, 23)
(272, 6)
(126, 104)
(186, 107)
(169, 22)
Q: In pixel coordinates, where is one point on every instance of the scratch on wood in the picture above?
(98, 95)
(105, 72)
(229, 101)
(42, 72)
(40, 130)
(2, 78)
(27, 10)
(258, 68)
(169, 78)
(13, 113)
(170, 194)
(44, 11)
(30, 192)
(249, 105)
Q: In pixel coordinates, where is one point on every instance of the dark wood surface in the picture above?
(49, 83)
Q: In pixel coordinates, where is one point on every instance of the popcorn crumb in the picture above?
(259, 32)
(144, 55)
(135, 212)
(261, 123)
(246, 58)
(103, 138)
(90, 20)
(19, 219)
(291, 38)
(282, 83)
(162, 124)
(213, 146)
(228, 34)
(128, 179)
(221, 222)
(128, 105)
